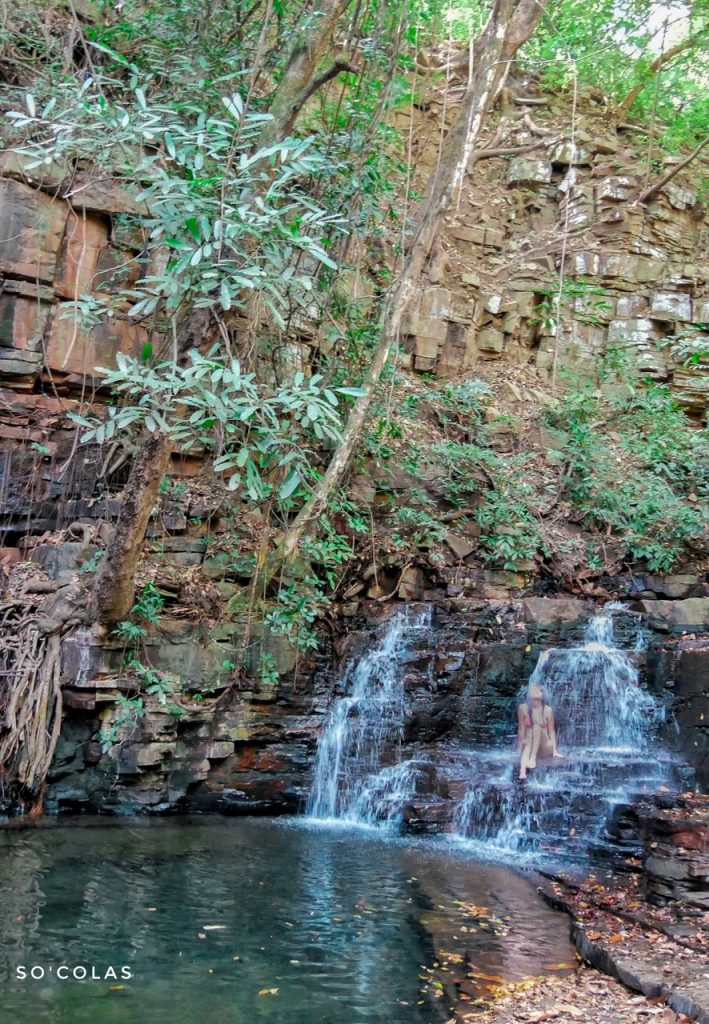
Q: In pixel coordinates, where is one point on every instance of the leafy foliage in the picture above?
(151, 683)
(252, 428)
(647, 485)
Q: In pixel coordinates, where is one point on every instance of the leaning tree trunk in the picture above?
(511, 23)
(299, 80)
(114, 588)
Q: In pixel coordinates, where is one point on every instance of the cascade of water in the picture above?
(594, 692)
(605, 725)
(364, 730)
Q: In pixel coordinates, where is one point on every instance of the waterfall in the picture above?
(389, 753)
(594, 691)
(606, 728)
(359, 775)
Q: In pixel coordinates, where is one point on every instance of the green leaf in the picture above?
(289, 484)
(192, 226)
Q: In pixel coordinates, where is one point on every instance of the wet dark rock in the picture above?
(676, 852)
(463, 679)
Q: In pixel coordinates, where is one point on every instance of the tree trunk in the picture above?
(114, 588)
(298, 82)
(510, 24)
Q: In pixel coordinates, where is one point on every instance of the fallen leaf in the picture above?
(486, 977)
(454, 958)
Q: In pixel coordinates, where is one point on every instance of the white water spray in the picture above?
(606, 727)
(358, 775)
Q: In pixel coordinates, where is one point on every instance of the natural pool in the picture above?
(231, 921)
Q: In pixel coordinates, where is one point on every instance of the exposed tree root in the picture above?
(30, 703)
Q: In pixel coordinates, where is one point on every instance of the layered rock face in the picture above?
(551, 260)
(59, 241)
(676, 861)
(240, 750)
(545, 259)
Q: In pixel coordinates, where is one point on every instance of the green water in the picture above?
(207, 914)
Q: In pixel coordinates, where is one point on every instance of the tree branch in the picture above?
(659, 62)
(298, 80)
(488, 154)
(317, 83)
(652, 190)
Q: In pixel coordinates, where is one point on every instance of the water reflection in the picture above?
(211, 917)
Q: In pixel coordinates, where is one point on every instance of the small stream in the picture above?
(242, 920)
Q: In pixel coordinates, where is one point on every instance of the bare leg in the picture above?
(528, 753)
(536, 740)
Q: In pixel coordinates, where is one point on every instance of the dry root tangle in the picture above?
(30, 702)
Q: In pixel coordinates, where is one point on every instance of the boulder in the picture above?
(647, 270)
(643, 336)
(103, 195)
(68, 557)
(546, 611)
(671, 306)
(411, 584)
(490, 340)
(460, 547)
(567, 154)
(435, 303)
(673, 586)
(691, 388)
(527, 171)
(616, 188)
(631, 305)
(690, 614)
(680, 198)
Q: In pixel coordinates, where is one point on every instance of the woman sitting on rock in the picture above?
(536, 732)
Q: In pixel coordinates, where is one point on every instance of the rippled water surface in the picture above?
(234, 921)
